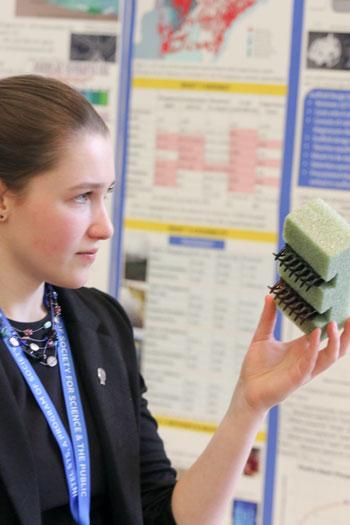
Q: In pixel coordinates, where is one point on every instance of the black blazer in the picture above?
(139, 476)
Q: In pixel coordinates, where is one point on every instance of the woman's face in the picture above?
(52, 232)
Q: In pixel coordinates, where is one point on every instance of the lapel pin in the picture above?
(102, 376)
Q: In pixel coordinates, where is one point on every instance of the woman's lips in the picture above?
(89, 255)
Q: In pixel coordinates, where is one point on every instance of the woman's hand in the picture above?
(272, 370)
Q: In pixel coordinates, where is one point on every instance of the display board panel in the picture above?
(313, 462)
(201, 209)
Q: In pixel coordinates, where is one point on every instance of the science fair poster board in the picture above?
(203, 210)
(312, 480)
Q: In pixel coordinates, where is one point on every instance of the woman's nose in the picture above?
(101, 227)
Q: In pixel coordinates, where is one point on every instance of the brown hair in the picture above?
(38, 115)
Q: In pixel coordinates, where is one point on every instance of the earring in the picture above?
(2, 217)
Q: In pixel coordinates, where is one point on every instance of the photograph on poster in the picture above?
(328, 51)
(84, 9)
(133, 298)
(135, 267)
(93, 48)
(189, 27)
(226, 40)
(244, 512)
(252, 465)
(136, 257)
(341, 6)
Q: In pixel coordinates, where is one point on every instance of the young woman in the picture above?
(77, 442)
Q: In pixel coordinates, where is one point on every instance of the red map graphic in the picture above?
(201, 26)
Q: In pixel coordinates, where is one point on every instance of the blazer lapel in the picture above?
(16, 461)
(111, 404)
(94, 349)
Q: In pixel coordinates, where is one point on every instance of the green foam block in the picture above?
(314, 267)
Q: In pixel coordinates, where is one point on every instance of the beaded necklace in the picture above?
(74, 448)
(41, 343)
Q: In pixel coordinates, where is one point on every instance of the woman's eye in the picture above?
(82, 198)
(109, 192)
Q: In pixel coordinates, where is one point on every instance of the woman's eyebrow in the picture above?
(85, 185)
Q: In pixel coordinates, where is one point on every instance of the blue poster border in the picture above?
(284, 208)
(127, 21)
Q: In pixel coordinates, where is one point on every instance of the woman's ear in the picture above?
(4, 201)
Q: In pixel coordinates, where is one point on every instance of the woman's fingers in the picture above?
(330, 354)
(310, 347)
(267, 321)
(345, 339)
(314, 340)
(338, 345)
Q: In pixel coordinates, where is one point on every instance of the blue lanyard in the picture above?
(74, 449)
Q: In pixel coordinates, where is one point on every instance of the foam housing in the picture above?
(314, 267)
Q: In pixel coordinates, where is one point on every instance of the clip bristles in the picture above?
(288, 298)
(297, 268)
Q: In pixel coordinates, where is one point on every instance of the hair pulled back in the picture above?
(38, 116)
